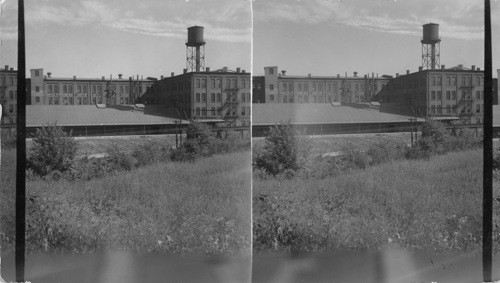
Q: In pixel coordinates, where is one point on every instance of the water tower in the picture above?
(195, 49)
(430, 46)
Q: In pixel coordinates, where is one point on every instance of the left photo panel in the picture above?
(138, 156)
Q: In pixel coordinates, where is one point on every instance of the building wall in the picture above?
(46, 90)
(8, 95)
(258, 89)
(271, 84)
(442, 92)
(205, 95)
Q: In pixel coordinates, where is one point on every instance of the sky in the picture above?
(92, 38)
(329, 37)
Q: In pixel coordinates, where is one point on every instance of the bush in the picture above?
(52, 150)
(120, 160)
(283, 150)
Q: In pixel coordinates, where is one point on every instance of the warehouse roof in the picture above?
(319, 113)
(90, 115)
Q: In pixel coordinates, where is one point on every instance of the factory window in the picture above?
(94, 100)
(478, 95)
(212, 97)
(121, 100)
(233, 83)
(285, 87)
(306, 99)
(248, 111)
(213, 83)
(56, 101)
(433, 109)
(228, 83)
(271, 97)
(56, 89)
(433, 95)
(203, 112)
(85, 101)
(453, 81)
(271, 87)
(197, 97)
(329, 87)
(85, 88)
(203, 97)
(469, 81)
(79, 100)
(290, 87)
(290, 98)
(242, 97)
(218, 97)
(463, 81)
(271, 71)
(65, 101)
(314, 87)
(478, 81)
(218, 83)
(439, 109)
(243, 83)
(243, 111)
(433, 81)
(448, 109)
(37, 73)
(51, 89)
(453, 95)
(71, 100)
(78, 88)
(37, 99)
(126, 89)
(50, 100)
(197, 83)
(212, 111)
(284, 99)
(320, 87)
(248, 97)
(11, 95)
(448, 81)
(300, 87)
(11, 108)
(70, 89)
(356, 87)
(439, 97)
(11, 80)
(448, 94)
(478, 108)
(197, 111)
(329, 99)
(438, 81)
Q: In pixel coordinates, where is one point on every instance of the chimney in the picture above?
(74, 77)
(478, 69)
(161, 77)
(397, 75)
(420, 69)
(355, 74)
(238, 70)
(6, 67)
(207, 69)
(172, 74)
(49, 74)
(473, 67)
(308, 75)
(460, 66)
(185, 71)
(338, 76)
(103, 78)
(366, 76)
(120, 76)
(12, 69)
(407, 72)
(443, 67)
(243, 71)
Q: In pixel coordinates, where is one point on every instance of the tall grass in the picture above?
(177, 208)
(418, 204)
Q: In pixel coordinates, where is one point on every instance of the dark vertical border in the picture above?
(21, 147)
(488, 149)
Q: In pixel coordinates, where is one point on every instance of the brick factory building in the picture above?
(453, 92)
(8, 95)
(281, 88)
(213, 96)
(48, 90)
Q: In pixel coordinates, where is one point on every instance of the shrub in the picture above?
(120, 160)
(52, 150)
(283, 150)
(150, 153)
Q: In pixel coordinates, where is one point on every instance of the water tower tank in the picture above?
(195, 36)
(431, 33)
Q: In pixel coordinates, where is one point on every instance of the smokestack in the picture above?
(420, 69)
(243, 71)
(443, 67)
(6, 67)
(473, 67)
(184, 71)
(238, 70)
(407, 72)
(12, 69)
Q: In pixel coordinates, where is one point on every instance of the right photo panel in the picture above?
(367, 135)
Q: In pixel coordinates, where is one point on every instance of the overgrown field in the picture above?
(177, 207)
(423, 204)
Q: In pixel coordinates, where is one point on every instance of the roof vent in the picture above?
(443, 67)
(355, 74)
(207, 69)
(283, 73)
(74, 77)
(238, 70)
(49, 74)
(308, 75)
(6, 67)
(119, 76)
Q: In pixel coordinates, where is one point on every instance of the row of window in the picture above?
(214, 112)
(12, 81)
(216, 97)
(77, 100)
(216, 83)
(452, 81)
(452, 95)
(82, 88)
(438, 109)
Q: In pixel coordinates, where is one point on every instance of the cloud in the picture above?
(461, 19)
(231, 22)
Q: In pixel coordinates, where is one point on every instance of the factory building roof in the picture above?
(90, 115)
(319, 113)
